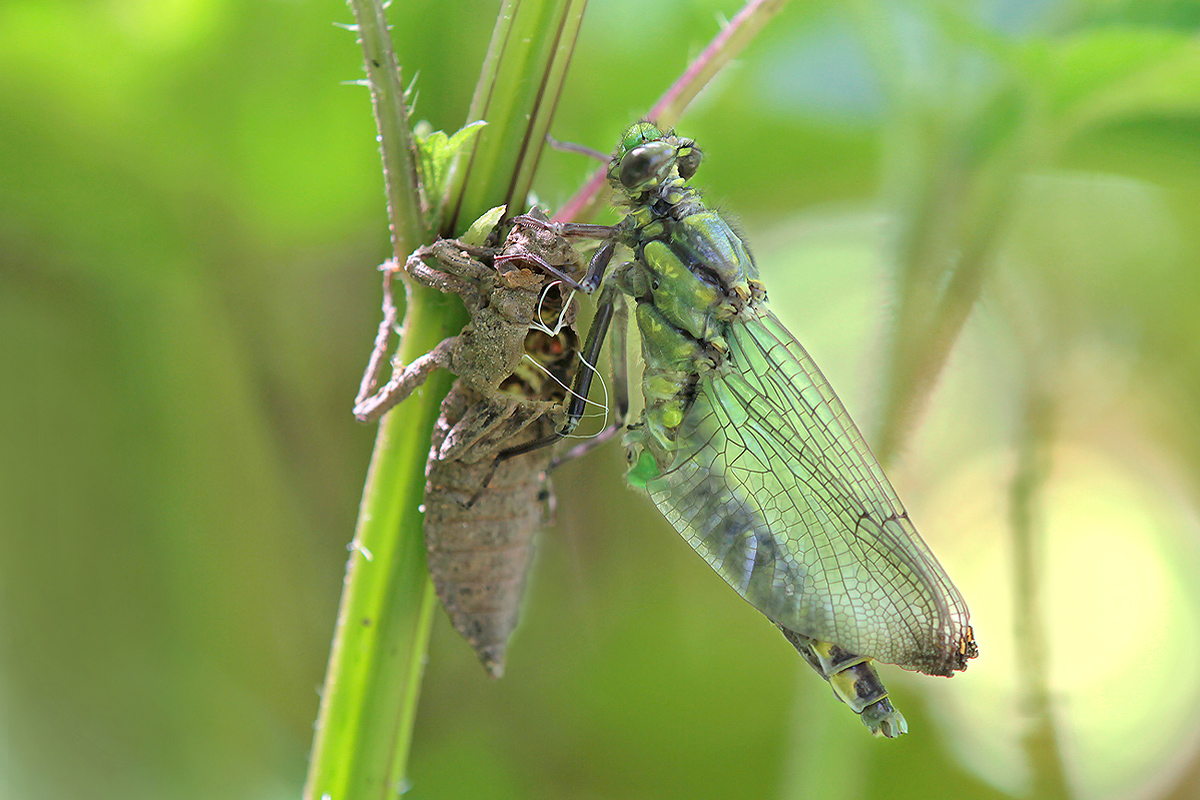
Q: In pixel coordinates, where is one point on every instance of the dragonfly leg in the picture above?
(457, 268)
(383, 339)
(581, 230)
(599, 263)
(617, 338)
(541, 264)
(486, 422)
(578, 230)
(535, 219)
(606, 310)
(580, 149)
(369, 407)
(462, 273)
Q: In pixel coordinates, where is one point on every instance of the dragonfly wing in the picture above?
(774, 485)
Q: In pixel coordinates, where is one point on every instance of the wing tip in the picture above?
(963, 651)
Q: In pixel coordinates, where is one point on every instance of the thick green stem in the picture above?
(364, 728)
(370, 697)
(369, 701)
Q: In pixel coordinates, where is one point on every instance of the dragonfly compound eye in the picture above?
(639, 133)
(642, 167)
(689, 157)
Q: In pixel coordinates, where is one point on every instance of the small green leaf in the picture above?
(482, 227)
(435, 154)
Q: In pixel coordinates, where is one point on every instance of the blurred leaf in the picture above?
(1102, 76)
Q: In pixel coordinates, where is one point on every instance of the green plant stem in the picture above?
(364, 727)
(1047, 777)
(369, 701)
(374, 676)
(955, 227)
(395, 132)
(518, 93)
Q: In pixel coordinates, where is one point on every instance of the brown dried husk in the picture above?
(480, 538)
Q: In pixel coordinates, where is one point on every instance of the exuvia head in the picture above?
(647, 159)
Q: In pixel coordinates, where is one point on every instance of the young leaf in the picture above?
(435, 155)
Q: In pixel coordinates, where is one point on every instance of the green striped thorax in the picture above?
(690, 275)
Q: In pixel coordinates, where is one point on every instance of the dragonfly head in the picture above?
(648, 159)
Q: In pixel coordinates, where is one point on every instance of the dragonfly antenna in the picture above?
(581, 149)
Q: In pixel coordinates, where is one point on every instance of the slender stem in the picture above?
(518, 98)
(957, 223)
(363, 732)
(725, 46)
(1048, 778)
(391, 120)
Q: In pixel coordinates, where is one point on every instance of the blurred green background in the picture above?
(191, 213)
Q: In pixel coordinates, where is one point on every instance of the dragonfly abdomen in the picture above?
(854, 681)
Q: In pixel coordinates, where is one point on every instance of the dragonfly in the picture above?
(745, 448)
(513, 361)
